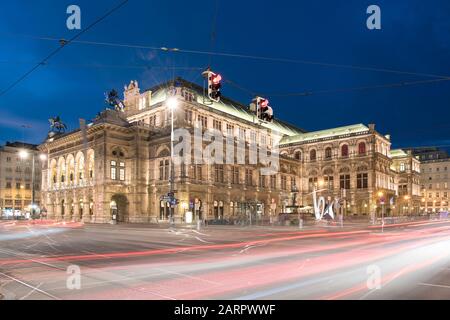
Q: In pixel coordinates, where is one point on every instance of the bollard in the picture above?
(199, 223)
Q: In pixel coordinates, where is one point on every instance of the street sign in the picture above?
(166, 198)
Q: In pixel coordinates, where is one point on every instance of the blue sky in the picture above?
(414, 38)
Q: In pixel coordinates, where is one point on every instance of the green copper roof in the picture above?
(242, 113)
(397, 153)
(324, 134)
(228, 106)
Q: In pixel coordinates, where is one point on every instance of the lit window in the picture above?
(344, 181)
(283, 182)
(362, 181)
(122, 171)
(230, 129)
(218, 177)
(113, 170)
(273, 182)
(361, 148)
(217, 125)
(312, 155)
(344, 150)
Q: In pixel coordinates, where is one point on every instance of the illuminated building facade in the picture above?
(16, 178)
(119, 166)
(435, 179)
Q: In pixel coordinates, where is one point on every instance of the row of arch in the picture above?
(344, 151)
(330, 171)
(70, 169)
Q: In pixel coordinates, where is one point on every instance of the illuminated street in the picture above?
(226, 262)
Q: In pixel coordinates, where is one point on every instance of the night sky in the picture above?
(414, 38)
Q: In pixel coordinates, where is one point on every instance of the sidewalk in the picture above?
(308, 226)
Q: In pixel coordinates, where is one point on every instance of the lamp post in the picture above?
(380, 196)
(294, 191)
(407, 197)
(23, 154)
(172, 103)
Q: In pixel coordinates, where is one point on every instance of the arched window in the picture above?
(164, 170)
(91, 163)
(79, 168)
(344, 150)
(312, 155)
(328, 179)
(62, 171)
(328, 153)
(117, 165)
(53, 173)
(298, 155)
(362, 148)
(70, 168)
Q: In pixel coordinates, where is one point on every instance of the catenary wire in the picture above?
(237, 55)
(54, 52)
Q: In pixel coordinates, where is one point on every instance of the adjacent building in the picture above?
(434, 179)
(16, 178)
(119, 165)
(408, 169)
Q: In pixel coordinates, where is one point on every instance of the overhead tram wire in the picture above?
(112, 66)
(213, 32)
(234, 84)
(426, 146)
(62, 45)
(361, 88)
(326, 91)
(439, 78)
(244, 56)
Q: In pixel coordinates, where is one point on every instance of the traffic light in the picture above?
(214, 86)
(263, 110)
(261, 106)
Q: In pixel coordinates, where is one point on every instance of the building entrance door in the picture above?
(119, 208)
(62, 208)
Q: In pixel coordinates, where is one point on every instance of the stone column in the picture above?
(57, 210)
(76, 211)
(50, 207)
(86, 214)
(67, 208)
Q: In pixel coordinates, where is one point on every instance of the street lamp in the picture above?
(407, 197)
(380, 196)
(23, 154)
(294, 191)
(172, 103)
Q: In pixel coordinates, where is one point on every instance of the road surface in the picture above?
(75, 261)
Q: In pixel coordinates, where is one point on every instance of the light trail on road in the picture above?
(276, 264)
